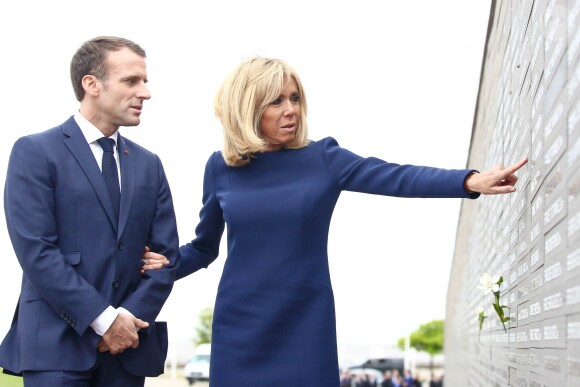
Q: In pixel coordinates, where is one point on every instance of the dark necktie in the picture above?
(110, 173)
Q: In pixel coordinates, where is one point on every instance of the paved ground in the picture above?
(167, 381)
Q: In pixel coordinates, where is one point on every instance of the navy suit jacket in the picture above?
(76, 260)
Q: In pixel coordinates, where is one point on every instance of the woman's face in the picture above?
(280, 120)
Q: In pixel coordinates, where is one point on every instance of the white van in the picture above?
(198, 366)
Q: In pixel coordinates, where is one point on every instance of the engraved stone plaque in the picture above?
(528, 105)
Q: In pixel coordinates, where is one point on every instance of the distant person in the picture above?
(417, 382)
(388, 379)
(346, 379)
(276, 191)
(397, 379)
(365, 379)
(81, 201)
(436, 381)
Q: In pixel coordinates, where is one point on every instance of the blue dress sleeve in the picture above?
(204, 249)
(352, 172)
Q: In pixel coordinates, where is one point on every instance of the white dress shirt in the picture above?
(103, 321)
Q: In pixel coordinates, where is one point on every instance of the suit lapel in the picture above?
(77, 144)
(126, 159)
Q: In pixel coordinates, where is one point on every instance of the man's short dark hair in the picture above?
(90, 59)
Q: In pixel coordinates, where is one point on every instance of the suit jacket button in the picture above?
(115, 284)
(121, 246)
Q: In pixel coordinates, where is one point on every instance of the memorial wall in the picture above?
(527, 105)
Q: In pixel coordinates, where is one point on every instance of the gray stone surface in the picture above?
(528, 105)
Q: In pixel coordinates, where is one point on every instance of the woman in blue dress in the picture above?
(274, 319)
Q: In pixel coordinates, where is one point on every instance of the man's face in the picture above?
(121, 97)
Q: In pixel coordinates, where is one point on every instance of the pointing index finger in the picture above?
(513, 168)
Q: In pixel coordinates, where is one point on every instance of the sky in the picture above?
(396, 80)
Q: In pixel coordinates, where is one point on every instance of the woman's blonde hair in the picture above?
(243, 98)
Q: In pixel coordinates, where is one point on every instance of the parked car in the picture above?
(383, 364)
(198, 367)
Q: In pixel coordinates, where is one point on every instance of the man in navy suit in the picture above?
(79, 214)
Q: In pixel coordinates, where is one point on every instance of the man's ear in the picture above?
(91, 85)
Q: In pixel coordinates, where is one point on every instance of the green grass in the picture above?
(9, 381)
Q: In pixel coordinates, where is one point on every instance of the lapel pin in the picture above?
(126, 152)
